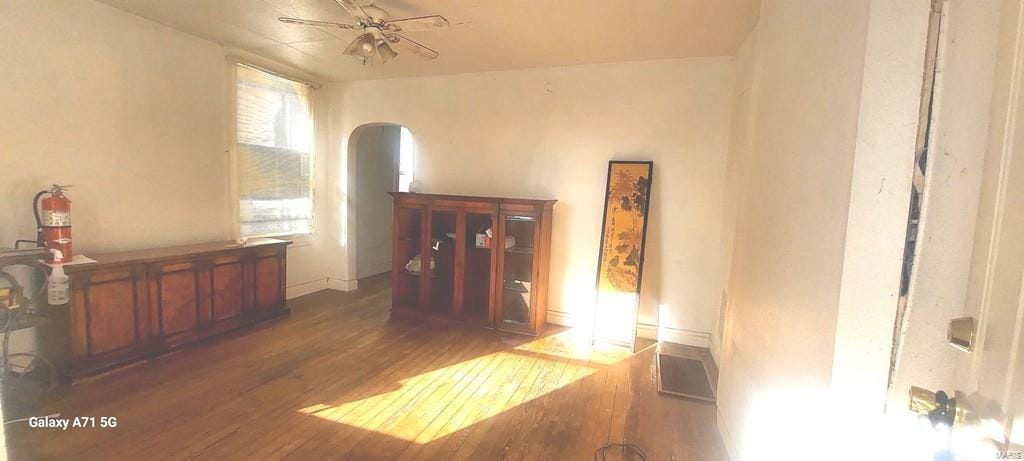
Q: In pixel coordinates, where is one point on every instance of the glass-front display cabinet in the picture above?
(479, 260)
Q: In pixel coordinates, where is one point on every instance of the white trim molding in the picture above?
(674, 335)
(340, 284)
(561, 318)
(304, 288)
(644, 330)
(313, 286)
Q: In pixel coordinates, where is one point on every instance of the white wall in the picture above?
(134, 114)
(129, 112)
(789, 235)
(549, 133)
(737, 173)
(377, 155)
(821, 172)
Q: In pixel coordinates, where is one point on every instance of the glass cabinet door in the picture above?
(442, 261)
(407, 254)
(476, 296)
(517, 272)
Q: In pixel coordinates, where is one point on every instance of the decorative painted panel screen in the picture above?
(623, 234)
(275, 154)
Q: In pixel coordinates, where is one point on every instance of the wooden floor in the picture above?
(339, 380)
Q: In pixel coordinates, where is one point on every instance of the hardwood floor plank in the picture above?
(517, 420)
(265, 397)
(340, 379)
(407, 423)
(304, 394)
(352, 402)
(444, 438)
(346, 419)
(480, 432)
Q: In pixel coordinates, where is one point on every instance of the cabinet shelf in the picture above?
(520, 250)
(416, 274)
(517, 286)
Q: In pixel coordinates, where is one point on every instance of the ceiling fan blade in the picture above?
(412, 46)
(433, 22)
(310, 22)
(354, 9)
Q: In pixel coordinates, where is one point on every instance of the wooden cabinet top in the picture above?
(168, 253)
(418, 197)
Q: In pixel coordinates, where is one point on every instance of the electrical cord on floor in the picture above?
(10, 323)
(601, 453)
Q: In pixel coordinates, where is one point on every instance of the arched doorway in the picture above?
(385, 156)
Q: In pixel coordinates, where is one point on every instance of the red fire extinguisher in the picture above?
(54, 226)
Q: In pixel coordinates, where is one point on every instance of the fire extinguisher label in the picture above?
(56, 218)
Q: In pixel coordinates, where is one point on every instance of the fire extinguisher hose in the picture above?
(39, 220)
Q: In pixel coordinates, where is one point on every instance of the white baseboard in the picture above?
(560, 318)
(340, 284)
(305, 288)
(727, 438)
(674, 335)
(313, 286)
(643, 330)
(386, 267)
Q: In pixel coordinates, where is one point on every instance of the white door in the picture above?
(973, 206)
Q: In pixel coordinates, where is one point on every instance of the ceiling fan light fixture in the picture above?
(381, 35)
(364, 46)
(386, 52)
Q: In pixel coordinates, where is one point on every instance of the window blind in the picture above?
(275, 154)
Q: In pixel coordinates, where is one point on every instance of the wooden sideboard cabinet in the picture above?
(133, 305)
(442, 269)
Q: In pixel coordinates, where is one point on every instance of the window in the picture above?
(275, 155)
(406, 160)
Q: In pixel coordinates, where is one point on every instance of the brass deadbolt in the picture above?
(961, 333)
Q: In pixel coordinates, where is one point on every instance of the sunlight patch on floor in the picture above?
(572, 345)
(437, 403)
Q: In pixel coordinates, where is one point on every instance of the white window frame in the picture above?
(232, 141)
(413, 153)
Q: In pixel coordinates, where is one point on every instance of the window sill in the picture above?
(298, 240)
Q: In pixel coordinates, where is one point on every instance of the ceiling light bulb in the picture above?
(364, 46)
(367, 45)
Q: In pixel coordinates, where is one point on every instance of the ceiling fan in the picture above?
(381, 35)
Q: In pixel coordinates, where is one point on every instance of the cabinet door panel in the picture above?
(518, 269)
(268, 282)
(227, 291)
(178, 301)
(111, 315)
(408, 241)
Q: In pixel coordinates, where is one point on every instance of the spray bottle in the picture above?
(58, 287)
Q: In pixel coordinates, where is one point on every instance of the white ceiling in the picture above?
(485, 34)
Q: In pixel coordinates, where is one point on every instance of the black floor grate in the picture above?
(684, 377)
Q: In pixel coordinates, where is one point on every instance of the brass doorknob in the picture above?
(938, 407)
